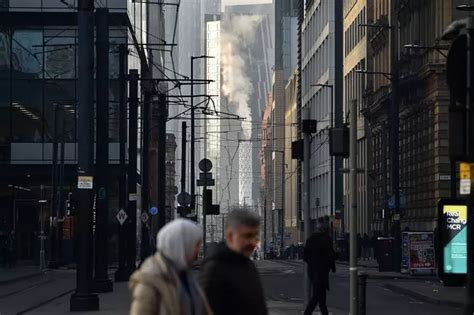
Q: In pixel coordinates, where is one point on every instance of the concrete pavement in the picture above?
(282, 280)
(19, 272)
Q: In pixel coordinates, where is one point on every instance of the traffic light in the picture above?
(339, 142)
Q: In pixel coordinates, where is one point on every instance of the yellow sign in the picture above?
(465, 170)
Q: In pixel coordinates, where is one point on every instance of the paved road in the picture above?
(286, 283)
(282, 280)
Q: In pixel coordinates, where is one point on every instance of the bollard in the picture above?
(362, 283)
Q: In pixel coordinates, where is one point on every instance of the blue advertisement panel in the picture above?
(455, 242)
(452, 241)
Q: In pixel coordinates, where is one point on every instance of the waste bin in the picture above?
(385, 253)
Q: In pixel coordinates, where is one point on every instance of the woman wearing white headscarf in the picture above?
(163, 284)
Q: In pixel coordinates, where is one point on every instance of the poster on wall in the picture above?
(452, 227)
(422, 251)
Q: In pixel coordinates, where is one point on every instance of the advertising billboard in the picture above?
(452, 225)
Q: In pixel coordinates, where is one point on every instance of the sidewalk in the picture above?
(118, 303)
(18, 272)
(429, 291)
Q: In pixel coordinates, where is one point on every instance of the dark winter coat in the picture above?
(320, 257)
(232, 284)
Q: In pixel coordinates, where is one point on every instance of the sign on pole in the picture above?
(465, 174)
(145, 217)
(121, 216)
(153, 210)
(85, 182)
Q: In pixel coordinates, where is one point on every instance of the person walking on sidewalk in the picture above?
(11, 249)
(228, 276)
(320, 257)
(366, 247)
(163, 284)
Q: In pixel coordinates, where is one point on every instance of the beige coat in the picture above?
(154, 289)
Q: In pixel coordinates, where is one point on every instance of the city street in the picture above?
(214, 132)
(282, 280)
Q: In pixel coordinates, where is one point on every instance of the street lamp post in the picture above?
(193, 155)
(282, 220)
(331, 87)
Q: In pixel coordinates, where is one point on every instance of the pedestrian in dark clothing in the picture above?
(11, 249)
(228, 276)
(373, 245)
(366, 247)
(320, 257)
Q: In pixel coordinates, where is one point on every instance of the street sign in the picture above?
(121, 216)
(184, 198)
(153, 210)
(85, 182)
(391, 203)
(444, 177)
(145, 217)
(205, 165)
(465, 186)
(132, 197)
(207, 182)
(204, 176)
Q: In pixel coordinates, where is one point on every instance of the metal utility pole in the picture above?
(41, 202)
(102, 281)
(193, 155)
(131, 222)
(306, 198)
(283, 185)
(162, 113)
(183, 157)
(469, 304)
(394, 129)
(53, 263)
(193, 139)
(354, 302)
(61, 199)
(128, 230)
(146, 140)
(83, 299)
(265, 227)
(338, 100)
(122, 148)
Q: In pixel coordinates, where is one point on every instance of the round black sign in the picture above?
(205, 165)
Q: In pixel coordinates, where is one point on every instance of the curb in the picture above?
(421, 297)
(345, 263)
(23, 277)
(398, 277)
